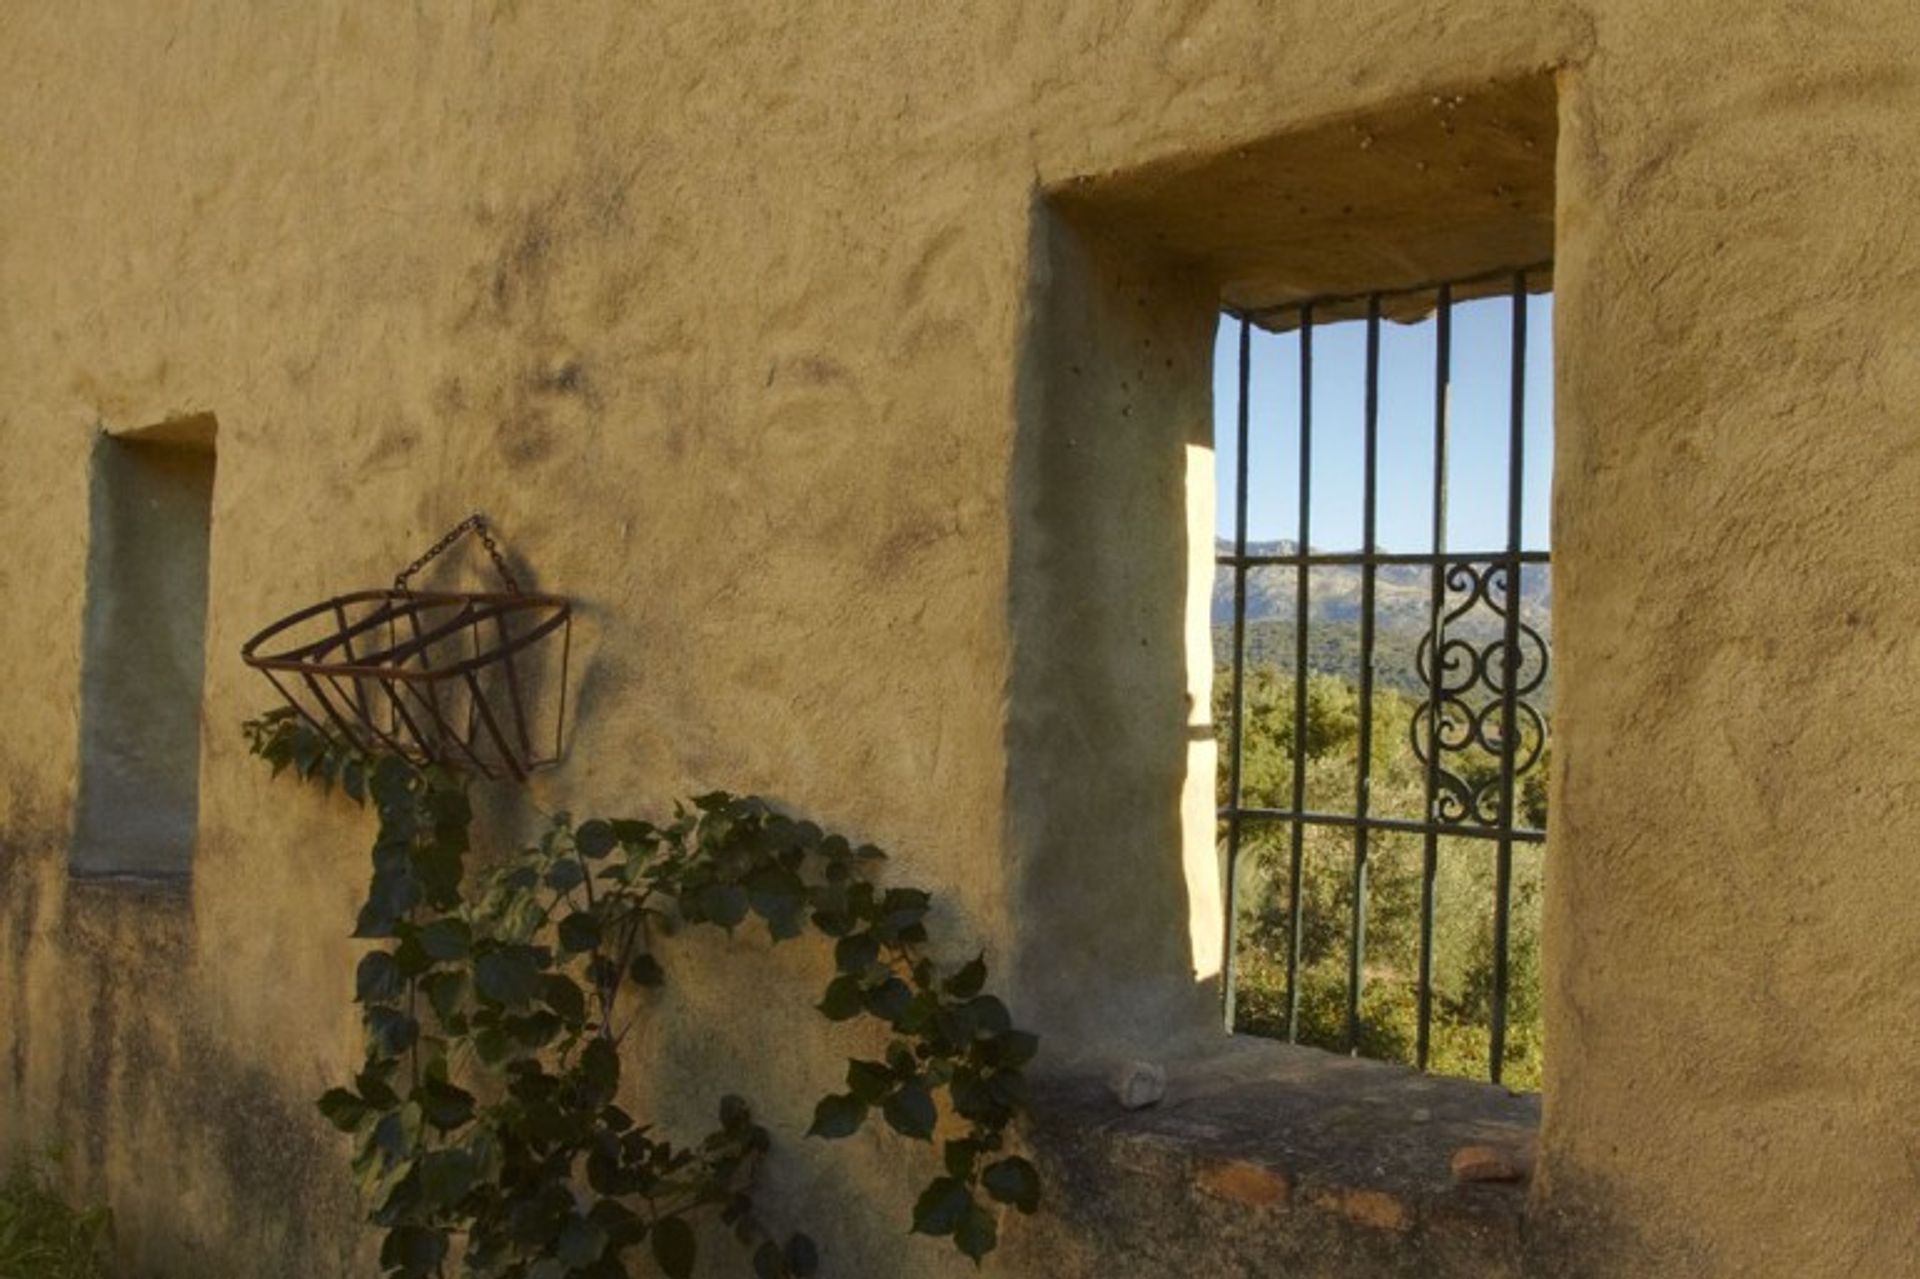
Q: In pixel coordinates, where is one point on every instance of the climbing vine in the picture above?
(485, 1116)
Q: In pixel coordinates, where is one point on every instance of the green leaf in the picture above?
(343, 1109)
(438, 868)
(906, 901)
(722, 904)
(565, 875)
(959, 1157)
(563, 996)
(445, 940)
(444, 990)
(977, 1233)
(445, 1106)
(844, 999)
(803, 1259)
(446, 1176)
(1008, 1087)
(392, 1031)
(922, 1011)
(393, 1135)
(674, 1247)
(956, 1027)
(838, 1116)
(889, 999)
(378, 978)
(856, 953)
(600, 1063)
(1014, 1048)
(869, 1081)
(990, 1016)
(966, 983)
(622, 1224)
(393, 780)
(769, 1262)
(510, 976)
(307, 750)
(448, 806)
(645, 971)
(1013, 1181)
(392, 893)
(579, 932)
(911, 1112)
(581, 1242)
(942, 1207)
(594, 839)
(372, 1082)
(970, 1096)
(778, 896)
(413, 1250)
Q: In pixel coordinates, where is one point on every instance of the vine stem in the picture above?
(604, 988)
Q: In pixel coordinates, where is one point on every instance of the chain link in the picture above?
(475, 523)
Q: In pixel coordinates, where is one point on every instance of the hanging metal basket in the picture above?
(473, 681)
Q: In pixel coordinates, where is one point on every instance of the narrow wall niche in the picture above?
(144, 651)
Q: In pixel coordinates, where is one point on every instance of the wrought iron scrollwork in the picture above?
(1458, 732)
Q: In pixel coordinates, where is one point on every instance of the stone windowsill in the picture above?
(1264, 1158)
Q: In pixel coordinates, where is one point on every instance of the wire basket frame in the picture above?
(469, 680)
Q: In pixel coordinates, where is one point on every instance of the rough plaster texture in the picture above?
(746, 323)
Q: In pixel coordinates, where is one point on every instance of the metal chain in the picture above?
(473, 523)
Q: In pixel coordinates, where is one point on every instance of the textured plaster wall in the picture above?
(729, 315)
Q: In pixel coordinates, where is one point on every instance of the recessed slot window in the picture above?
(144, 650)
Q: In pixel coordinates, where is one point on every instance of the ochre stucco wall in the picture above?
(728, 315)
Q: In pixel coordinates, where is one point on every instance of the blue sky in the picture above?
(1477, 465)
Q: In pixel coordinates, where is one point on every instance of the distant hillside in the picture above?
(1402, 596)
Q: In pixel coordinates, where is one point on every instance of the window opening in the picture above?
(143, 655)
(1384, 730)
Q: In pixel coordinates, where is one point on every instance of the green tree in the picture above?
(1463, 887)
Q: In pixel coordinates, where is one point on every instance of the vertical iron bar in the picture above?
(294, 702)
(326, 705)
(493, 728)
(1297, 853)
(566, 655)
(1234, 744)
(444, 730)
(346, 642)
(401, 717)
(1509, 676)
(358, 698)
(1436, 615)
(1369, 569)
(426, 664)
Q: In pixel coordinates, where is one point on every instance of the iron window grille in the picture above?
(1473, 697)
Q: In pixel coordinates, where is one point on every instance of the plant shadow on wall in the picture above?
(496, 1002)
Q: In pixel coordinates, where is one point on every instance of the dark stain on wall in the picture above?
(151, 1102)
